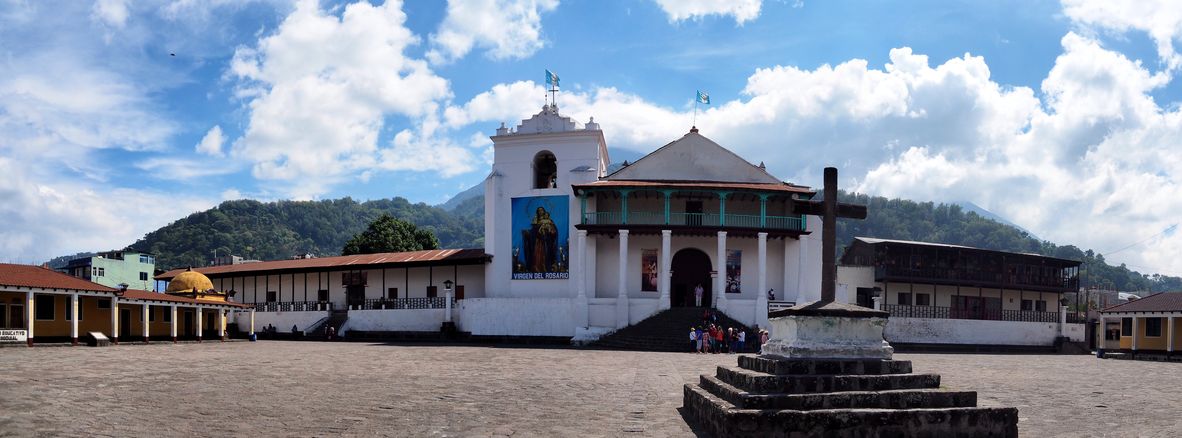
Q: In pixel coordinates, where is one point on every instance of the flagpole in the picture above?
(695, 123)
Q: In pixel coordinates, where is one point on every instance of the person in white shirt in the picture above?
(693, 340)
(742, 339)
(698, 295)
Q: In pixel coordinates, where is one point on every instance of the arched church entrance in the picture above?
(691, 267)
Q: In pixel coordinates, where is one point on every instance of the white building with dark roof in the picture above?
(570, 251)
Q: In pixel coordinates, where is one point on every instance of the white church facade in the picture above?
(571, 250)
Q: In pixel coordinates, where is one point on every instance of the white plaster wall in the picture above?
(512, 176)
(810, 276)
(742, 311)
(281, 320)
(601, 312)
(1075, 332)
(641, 308)
(969, 332)
(607, 272)
(517, 316)
(401, 320)
(852, 278)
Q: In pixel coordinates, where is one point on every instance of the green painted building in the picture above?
(115, 268)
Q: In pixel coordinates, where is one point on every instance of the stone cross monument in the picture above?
(828, 329)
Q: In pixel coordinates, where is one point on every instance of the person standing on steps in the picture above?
(693, 339)
(698, 295)
(742, 340)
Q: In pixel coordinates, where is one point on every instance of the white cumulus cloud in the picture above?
(211, 143)
(1160, 19)
(505, 29)
(740, 10)
(320, 89)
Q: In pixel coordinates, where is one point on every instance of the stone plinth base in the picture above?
(828, 331)
(772, 396)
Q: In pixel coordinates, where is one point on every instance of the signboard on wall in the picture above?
(541, 237)
(734, 271)
(648, 270)
(13, 336)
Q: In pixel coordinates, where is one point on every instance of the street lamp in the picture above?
(447, 284)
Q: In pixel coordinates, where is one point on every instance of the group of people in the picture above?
(715, 339)
(710, 337)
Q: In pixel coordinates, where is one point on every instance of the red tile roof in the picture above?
(436, 257)
(45, 278)
(707, 185)
(136, 294)
(1161, 302)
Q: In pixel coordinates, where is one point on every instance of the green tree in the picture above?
(387, 234)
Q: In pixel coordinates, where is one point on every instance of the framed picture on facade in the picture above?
(541, 227)
(648, 270)
(734, 271)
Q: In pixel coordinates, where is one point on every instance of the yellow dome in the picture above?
(189, 280)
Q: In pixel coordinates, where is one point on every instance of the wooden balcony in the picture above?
(675, 220)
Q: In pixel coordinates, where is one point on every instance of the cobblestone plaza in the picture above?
(316, 389)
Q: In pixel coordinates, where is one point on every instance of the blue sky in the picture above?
(1060, 116)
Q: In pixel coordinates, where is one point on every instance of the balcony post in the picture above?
(763, 209)
(624, 206)
(667, 193)
(722, 208)
(582, 212)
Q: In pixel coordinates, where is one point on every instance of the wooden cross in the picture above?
(829, 210)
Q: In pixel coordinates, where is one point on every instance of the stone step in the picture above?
(763, 383)
(824, 366)
(721, 418)
(891, 399)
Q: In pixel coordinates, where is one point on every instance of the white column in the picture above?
(1062, 319)
(173, 319)
(74, 320)
(29, 314)
(802, 256)
(761, 294)
(878, 302)
(1169, 334)
(447, 305)
(197, 310)
(663, 273)
(1135, 332)
(782, 294)
(222, 324)
(719, 295)
(115, 319)
(252, 321)
(1101, 336)
(622, 318)
(580, 304)
(580, 274)
(147, 309)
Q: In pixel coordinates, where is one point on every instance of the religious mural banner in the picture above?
(648, 270)
(734, 271)
(541, 227)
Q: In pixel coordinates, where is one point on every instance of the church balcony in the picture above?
(604, 220)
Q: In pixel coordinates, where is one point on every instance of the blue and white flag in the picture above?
(703, 97)
(551, 79)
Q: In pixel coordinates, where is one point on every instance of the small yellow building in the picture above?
(1147, 325)
(37, 303)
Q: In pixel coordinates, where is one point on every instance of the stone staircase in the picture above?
(768, 396)
(668, 330)
(335, 319)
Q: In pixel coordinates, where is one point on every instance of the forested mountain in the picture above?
(279, 230)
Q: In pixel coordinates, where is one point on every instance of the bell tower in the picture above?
(530, 210)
